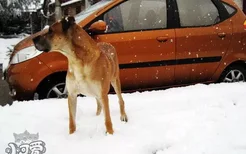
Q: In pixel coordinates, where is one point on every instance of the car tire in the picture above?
(53, 88)
(234, 73)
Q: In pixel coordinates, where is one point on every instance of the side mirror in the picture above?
(99, 26)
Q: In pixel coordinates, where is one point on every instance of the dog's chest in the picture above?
(81, 81)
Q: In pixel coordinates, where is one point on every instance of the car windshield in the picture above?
(82, 15)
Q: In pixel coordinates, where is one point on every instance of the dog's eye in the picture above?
(50, 31)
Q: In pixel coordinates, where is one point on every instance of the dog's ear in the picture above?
(67, 22)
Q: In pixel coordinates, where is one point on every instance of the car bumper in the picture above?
(23, 79)
(15, 82)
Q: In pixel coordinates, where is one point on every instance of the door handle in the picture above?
(162, 39)
(222, 35)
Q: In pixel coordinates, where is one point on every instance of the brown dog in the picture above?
(92, 67)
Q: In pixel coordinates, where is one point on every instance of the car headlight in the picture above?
(25, 54)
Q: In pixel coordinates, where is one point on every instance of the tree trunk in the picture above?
(45, 7)
(58, 10)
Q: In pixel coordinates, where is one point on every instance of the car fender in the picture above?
(229, 59)
(55, 61)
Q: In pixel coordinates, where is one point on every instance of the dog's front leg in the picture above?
(72, 105)
(108, 123)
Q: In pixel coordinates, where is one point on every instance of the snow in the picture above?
(198, 119)
(63, 4)
(70, 2)
(51, 1)
(6, 45)
(11, 1)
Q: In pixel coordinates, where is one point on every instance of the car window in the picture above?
(82, 15)
(229, 9)
(239, 3)
(194, 13)
(135, 15)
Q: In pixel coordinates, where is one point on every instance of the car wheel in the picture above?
(234, 73)
(54, 89)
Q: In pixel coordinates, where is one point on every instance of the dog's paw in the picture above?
(111, 132)
(124, 118)
(72, 130)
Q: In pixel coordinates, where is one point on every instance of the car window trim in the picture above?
(230, 15)
(222, 10)
(170, 17)
(173, 16)
(223, 14)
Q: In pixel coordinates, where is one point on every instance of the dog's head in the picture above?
(56, 36)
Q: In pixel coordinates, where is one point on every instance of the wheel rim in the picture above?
(58, 91)
(234, 76)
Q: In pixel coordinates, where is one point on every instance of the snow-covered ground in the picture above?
(5, 46)
(199, 119)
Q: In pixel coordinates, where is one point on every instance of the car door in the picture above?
(202, 39)
(144, 43)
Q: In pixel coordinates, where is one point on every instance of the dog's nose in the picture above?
(36, 39)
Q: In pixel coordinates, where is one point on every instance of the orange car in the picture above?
(160, 43)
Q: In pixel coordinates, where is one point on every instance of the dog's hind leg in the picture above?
(117, 87)
(72, 106)
(108, 123)
(99, 107)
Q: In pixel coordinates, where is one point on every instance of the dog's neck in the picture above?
(85, 48)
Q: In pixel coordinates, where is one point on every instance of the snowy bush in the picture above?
(14, 15)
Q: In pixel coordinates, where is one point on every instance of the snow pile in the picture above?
(7, 45)
(199, 119)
